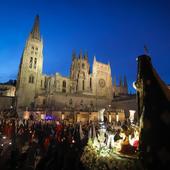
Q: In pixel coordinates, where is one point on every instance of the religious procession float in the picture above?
(111, 146)
(134, 147)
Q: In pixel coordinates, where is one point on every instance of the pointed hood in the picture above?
(35, 33)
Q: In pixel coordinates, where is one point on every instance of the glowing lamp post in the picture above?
(131, 117)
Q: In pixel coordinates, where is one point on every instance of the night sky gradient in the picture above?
(114, 31)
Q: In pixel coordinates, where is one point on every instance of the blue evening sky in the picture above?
(114, 31)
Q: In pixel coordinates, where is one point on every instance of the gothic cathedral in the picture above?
(82, 90)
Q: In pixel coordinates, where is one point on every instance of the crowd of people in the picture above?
(35, 143)
(50, 144)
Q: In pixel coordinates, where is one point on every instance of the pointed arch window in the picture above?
(83, 85)
(45, 83)
(31, 79)
(31, 62)
(64, 87)
(64, 83)
(90, 83)
(35, 63)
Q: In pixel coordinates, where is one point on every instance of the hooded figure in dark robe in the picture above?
(154, 110)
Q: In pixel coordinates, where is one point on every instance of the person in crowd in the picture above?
(117, 135)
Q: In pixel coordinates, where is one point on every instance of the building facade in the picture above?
(83, 89)
(121, 89)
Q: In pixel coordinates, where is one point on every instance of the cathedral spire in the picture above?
(109, 65)
(35, 33)
(94, 59)
(73, 54)
(120, 83)
(81, 54)
(114, 81)
(125, 81)
(86, 56)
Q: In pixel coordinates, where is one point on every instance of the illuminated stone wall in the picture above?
(71, 101)
(7, 90)
(77, 116)
(126, 103)
(102, 79)
(6, 102)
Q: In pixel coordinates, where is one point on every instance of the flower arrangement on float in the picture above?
(103, 158)
(102, 152)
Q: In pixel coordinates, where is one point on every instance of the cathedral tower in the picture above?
(80, 72)
(102, 80)
(125, 86)
(30, 70)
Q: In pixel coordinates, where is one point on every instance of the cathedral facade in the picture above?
(82, 90)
